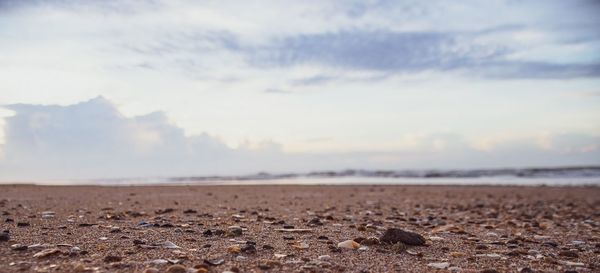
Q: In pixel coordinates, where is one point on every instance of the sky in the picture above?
(99, 89)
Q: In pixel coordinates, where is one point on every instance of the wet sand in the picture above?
(130, 229)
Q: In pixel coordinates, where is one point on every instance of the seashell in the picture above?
(350, 244)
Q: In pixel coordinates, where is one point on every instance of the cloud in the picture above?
(92, 139)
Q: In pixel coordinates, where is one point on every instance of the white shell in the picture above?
(350, 244)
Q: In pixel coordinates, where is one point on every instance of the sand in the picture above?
(467, 228)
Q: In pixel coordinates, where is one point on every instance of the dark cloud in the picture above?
(409, 52)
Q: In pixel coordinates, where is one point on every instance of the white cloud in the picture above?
(92, 139)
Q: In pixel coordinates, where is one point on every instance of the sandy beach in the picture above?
(298, 229)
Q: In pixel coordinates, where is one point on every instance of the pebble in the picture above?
(48, 214)
(214, 262)
(47, 252)
(370, 241)
(301, 245)
(439, 265)
(112, 259)
(394, 235)
(324, 258)
(436, 238)
(18, 247)
(151, 270)
(457, 254)
(4, 236)
(235, 230)
(157, 262)
(569, 253)
(349, 244)
(248, 248)
(176, 269)
(234, 249)
(170, 245)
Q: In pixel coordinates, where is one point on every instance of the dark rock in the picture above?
(207, 233)
(395, 235)
(248, 248)
(112, 259)
(163, 211)
(189, 211)
(526, 270)
(569, 253)
(268, 247)
(370, 241)
(23, 224)
(489, 271)
(322, 238)
(315, 222)
(219, 232)
(4, 236)
(288, 226)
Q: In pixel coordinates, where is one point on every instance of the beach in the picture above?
(298, 228)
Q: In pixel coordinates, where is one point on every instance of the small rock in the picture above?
(439, 265)
(157, 262)
(490, 270)
(235, 231)
(315, 222)
(457, 254)
(569, 253)
(4, 236)
(394, 235)
(324, 257)
(168, 244)
(112, 259)
(18, 247)
(234, 249)
(23, 224)
(300, 245)
(248, 248)
(151, 270)
(370, 241)
(163, 211)
(214, 262)
(47, 252)
(176, 269)
(48, 214)
(349, 244)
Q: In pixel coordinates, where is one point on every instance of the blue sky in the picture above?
(219, 87)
